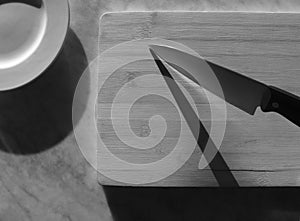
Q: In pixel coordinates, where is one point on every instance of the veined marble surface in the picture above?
(58, 183)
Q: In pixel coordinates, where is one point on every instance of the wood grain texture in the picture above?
(261, 150)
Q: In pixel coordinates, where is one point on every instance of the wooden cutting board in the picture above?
(260, 150)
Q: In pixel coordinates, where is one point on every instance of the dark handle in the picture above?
(34, 3)
(284, 103)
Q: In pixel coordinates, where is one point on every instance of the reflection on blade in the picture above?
(216, 161)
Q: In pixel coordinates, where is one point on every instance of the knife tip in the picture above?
(156, 50)
(153, 54)
(156, 47)
(151, 45)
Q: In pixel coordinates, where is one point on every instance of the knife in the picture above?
(239, 90)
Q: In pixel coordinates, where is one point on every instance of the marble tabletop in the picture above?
(44, 176)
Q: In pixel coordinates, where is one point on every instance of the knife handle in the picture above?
(284, 103)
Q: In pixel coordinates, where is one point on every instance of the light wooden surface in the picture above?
(261, 150)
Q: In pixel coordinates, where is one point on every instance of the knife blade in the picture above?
(239, 90)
